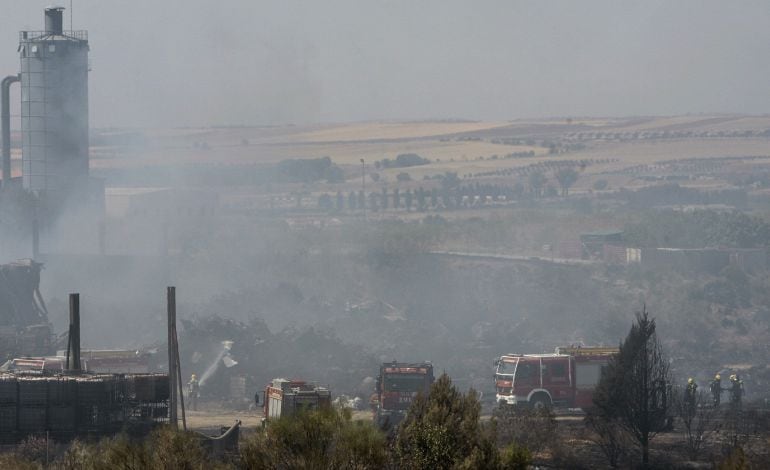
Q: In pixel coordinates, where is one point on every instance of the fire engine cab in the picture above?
(397, 386)
(284, 397)
(565, 378)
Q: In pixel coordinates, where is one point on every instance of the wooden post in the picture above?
(172, 363)
(179, 376)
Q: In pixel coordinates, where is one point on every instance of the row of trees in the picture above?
(451, 195)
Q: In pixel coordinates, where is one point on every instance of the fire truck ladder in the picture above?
(587, 351)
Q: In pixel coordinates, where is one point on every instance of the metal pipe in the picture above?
(172, 357)
(73, 345)
(54, 20)
(6, 126)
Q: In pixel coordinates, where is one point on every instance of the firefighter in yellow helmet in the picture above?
(736, 390)
(716, 390)
(690, 394)
(193, 391)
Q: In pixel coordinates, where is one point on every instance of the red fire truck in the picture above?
(284, 397)
(397, 385)
(565, 378)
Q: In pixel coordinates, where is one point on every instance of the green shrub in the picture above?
(326, 438)
(515, 457)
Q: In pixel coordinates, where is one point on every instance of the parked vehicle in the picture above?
(565, 378)
(284, 397)
(397, 385)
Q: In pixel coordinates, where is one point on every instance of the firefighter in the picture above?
(690, 394)
(736, 390)
(716, 390)
(193, 390)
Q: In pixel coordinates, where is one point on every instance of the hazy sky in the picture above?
(195, 62)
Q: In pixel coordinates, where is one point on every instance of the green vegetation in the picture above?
(403, 177)
(698, 229)
(537, 180)
(566, 178)
(163, 449)
(442, 431)
(403, 160)
(310, 170)
(317, 439)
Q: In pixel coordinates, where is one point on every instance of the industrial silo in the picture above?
(54, 108)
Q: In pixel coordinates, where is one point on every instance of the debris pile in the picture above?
(24, 327)
(256, 355)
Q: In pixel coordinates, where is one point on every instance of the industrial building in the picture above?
(53, 78)
(59, 398)
(54, 107)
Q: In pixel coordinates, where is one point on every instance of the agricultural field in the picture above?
(467, 148)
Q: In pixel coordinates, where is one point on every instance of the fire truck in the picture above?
(397, 385)
(565, 378)
(284, 397)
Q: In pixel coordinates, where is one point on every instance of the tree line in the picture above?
(451, 195)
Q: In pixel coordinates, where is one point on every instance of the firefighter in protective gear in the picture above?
(193, 391)
(716, 389)
(736, 390)
(690, 394)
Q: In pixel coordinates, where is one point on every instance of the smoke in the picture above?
(198, 207)
(196, 63)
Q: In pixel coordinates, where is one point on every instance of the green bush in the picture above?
(515, 457)
(316, 439)
(442, 431)
(165, 448)
(16, 462)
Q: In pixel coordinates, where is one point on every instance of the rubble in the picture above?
(257, 355)
(24, 326)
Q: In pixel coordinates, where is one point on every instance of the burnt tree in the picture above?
(634, 388)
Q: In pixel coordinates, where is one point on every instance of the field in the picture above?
(609, 145)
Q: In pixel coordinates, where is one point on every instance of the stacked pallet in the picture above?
(65, 406)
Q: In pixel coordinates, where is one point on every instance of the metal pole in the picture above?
(73, 344)
(363, 184)
(5, 117)
(172, 366)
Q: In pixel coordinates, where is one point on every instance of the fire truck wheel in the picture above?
(540, 401)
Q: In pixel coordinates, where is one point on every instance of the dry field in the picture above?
(452, 146)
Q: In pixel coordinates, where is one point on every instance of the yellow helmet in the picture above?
(733, 377)
(690, 381)
(717, 377)
(193, 377)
